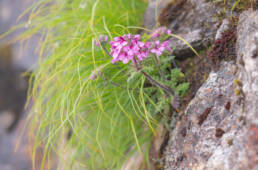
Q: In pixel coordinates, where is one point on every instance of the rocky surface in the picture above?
(188, 19)
(24, 54)
(13, 90)
(152, 12)
(225, 25)
(219, 128)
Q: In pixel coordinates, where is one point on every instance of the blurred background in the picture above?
(15, 59)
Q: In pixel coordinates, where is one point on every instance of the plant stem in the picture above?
(157, 64)
(105, 49)
(167, 89)
(174, 63)
(115, 84)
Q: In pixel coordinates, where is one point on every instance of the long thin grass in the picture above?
(107, 123)
(86, 123)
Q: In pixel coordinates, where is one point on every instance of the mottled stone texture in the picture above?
(247, 46)
(152, 12)
(193, 20)
(219, 129)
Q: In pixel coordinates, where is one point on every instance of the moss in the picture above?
(242, 5)
(228, 105)
(230, 142)
(241, 118)
(166, 16)
(235, 5)
(233, 8)
(219, 132)
(224, 47)
(237, 82)
(196, 70)
(237, 92)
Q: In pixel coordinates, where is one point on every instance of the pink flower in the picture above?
(169, 31)
(102, 38)
(160, 31)
(128, 48)
(97, 43)
(159, 48)
(155, 34)
(165, 44)
(144, 51)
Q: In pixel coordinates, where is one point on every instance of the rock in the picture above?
(13, 89)
(15, 59)
(181, 50)
(24, 56)
(6, 119)
(225, 25)
(204, 115)
(247, 50)
(193, 20)
(219, 128)
(152, 12)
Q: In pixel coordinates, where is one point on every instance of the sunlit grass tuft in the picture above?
(100, 123)
(107, 123)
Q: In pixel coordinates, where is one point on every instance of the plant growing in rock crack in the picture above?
(145, 55)
(112, 110)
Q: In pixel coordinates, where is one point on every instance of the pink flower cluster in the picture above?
(101, 39)
(160, 31)
(129, 48)
(158, 47)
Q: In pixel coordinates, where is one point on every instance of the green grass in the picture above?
(108, 123)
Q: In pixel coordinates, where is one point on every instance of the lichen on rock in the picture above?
(225, 136)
